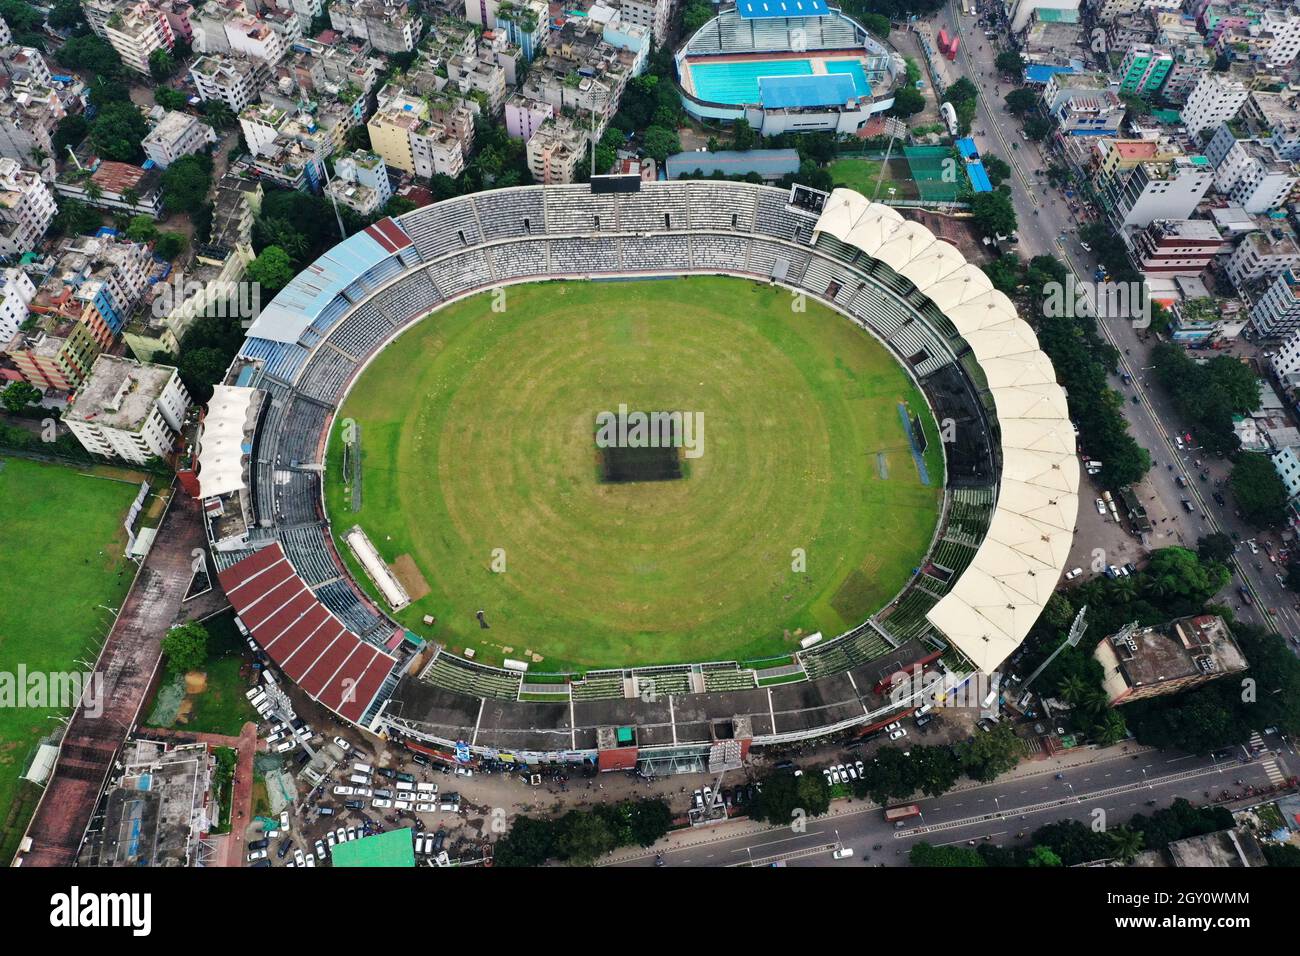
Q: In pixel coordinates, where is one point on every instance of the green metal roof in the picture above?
(392, 849)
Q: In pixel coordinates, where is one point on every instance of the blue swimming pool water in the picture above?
(738, 82)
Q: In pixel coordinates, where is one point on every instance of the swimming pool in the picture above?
(737, 82)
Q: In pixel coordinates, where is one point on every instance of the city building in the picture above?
(1250, 173)
(1273, 118)
(116, 186)
(1276, 311)
(136, 31)
(16, 293)
(1143, 70)
(1214, 99)
(390, 25)
(525, 115)
(1177, 247)
(1019, 12)
(129, 410)
(421, 135)
(1140, 663)
(555, 149)
(26, 208)
(360, 182)
(176, 135)
(56, 352)
(1157, 190)
(1269, 251)
(234, 81)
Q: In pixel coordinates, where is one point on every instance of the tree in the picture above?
(1282, 854)
(1009, 61)
(1021, 100)
(185, 183)
(530, 843)
(75, 218)
(908, 101)
(1042, 856)
(169, 99)
(1261, 496)
(998, 169)
(272, 269)
(659, 143)
(19, 395)
(582, 837)
(70, 132)
(991, 753)
(186, 646)
(117, 131)
(875, 23)
(993, 214)
(161, 64)
(650, 821)
(695, 15)
(169, 245)
(926, 854)
(66, 15)
(142, 229)
(91, 54)
(743, 136)
(220, 116)
(1215, 547)
(785, 797)
(1037, 128)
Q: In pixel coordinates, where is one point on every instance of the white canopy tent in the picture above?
(223, 440)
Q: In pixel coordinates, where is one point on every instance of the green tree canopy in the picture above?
(186, 646)
(272, 269)
(1260, 494)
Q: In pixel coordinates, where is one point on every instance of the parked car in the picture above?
(381, 803)
(256, 855)
(343, 745)
(897, 734)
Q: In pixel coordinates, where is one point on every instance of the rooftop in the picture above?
(119, 393)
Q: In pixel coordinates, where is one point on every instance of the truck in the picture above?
(896, 815)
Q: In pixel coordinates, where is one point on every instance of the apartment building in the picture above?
(391, 26)
(16, 293)
(1269, 251)
(1176, 247)
(555, 149)
(288, 147)
(1276, 312)
(121, 187)
(1275, 119)
(234, 81)
(1143, 70)
(26, 208)
(1157, 190)
(524, 115)
(333, 69)
(129, 410)
(422, 135)
(1249, 173)
(176, 135)
(652, 15)
(1282, 27)
(1019, 12)
(1139, 664)
(1214, 99)
(361, 182)
(136, 30)
(56, 354)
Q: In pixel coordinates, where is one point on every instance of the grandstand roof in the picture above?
(392, 849)
(996, 600)
(296, 305)
(302, 636)
(224, 440)
(769, 9)
(795, 92)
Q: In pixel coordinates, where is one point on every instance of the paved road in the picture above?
(1049, 227)
(1121, 786)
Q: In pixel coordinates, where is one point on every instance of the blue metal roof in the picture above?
(298, 304)
(770, 9)
(979, 177)
(1041, 73)
(787, 92)
(966, 146)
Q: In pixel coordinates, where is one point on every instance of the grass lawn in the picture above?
(221, 706)
(478, 433)
(862, 175)
(61, 545)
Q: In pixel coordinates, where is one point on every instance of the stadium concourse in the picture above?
(1009, 505)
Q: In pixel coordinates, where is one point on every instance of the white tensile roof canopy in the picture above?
(221, 442)
(995, 602)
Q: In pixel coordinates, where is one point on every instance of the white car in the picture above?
(1250, 543)
(343, 745)
(426, 807)
(285, 745)
(344, 791)
(1101, 506)
(256, 855)
(362, 791)
(298, 858)
(284, 819)
(897, 734)
(402, 804)
(419, 843)
(352, 833)
(320, 850)
(1071, 575)
(311, 860)
(894, 726)
(331, 839)
(842, 854)
(464, 772)
(379, 803)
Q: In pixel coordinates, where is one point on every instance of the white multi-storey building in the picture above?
(1248, 172)
(129, 410)
(1283, 25)
(361, 182)
(389, 25)
(26, 208)
(16, 292)
(653, 15)
(1277, 313)
(136, 31)
(1265, 253)
(1157, 190)
(1214, 99)
(1286, 359)
(177, 135)
(234, 81)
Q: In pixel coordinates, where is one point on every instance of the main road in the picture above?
(1111, 789)
(1047, 226)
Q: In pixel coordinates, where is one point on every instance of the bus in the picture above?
(896, 815)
